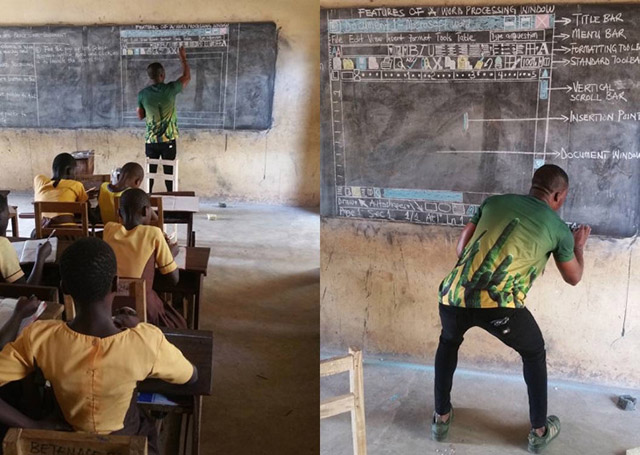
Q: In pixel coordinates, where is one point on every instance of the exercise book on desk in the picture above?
(181, 258)
(7, 306)
(181, 203)
(27, 250)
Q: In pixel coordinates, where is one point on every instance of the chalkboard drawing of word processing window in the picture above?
(426, 111)
(89, 77)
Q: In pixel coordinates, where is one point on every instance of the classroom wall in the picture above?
(379, 284)
(278, 166)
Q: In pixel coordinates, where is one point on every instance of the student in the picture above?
(93, 365)
(501, 252)
(139, 248)
(10, 269)
(60, 188)
(131, 176)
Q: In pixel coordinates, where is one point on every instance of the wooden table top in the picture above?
(197, 347)
(197, 259)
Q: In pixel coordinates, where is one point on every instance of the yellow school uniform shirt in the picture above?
(93, 378)
(9, 264)
(65, 191)
(107, 203)
(134, 248)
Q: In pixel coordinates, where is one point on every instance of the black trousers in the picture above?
(165, 151)
(514, 327)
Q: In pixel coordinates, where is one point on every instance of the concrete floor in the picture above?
(261, 301)
(491, 414)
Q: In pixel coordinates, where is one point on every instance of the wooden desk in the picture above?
(180, 216)
(84, 161)
(54, 310)
(191, 281)
(197, 347)
(13, 218)
(46, 293)
(13, 214)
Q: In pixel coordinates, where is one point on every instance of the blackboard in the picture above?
(426, 111)
(89, 77)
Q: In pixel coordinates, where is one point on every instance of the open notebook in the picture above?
(27, 250)
(181, 203)
(6, 310)
(181, 258)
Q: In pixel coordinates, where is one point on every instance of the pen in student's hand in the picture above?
(50, 235)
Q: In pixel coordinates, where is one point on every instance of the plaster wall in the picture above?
(277, 166)
(379, 286)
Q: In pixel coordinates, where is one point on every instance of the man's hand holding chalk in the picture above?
(580, 236)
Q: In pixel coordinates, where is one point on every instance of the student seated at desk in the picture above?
(131, 176)
(93, 365)
(139, 248)
(10, 270)
(60, 188)
(25, 307)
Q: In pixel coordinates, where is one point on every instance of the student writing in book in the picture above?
(10, 269)
(25, 307)
(131, 176)
(60, 188)
(92, 364)
(139, 248)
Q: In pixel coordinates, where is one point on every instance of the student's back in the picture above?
(10, 269)
(92, 364)
(107, 203)
(139, 249)
(131, 176)
(93, 378)
(62, 187)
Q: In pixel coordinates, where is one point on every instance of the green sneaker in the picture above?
(538, 443)
(440, 429)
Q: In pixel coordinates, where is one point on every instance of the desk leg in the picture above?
(191, 236)
(197, 416)
(14, 226)
(196, 303)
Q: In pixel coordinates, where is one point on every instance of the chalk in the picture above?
(212, 216)
(627, 402)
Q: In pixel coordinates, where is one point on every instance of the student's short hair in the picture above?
(132, 169)
(87, 269)
(4, 204)
(155, 70)
(133, 200)
(550, 179)
(60, 163)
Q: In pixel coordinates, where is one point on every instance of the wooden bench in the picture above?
(19, 441)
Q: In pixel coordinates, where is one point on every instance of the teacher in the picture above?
(157, 104)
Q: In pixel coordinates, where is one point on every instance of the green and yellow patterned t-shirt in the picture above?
(159, 104)
(514, 237)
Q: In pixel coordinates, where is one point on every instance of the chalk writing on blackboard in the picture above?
(416, 97)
